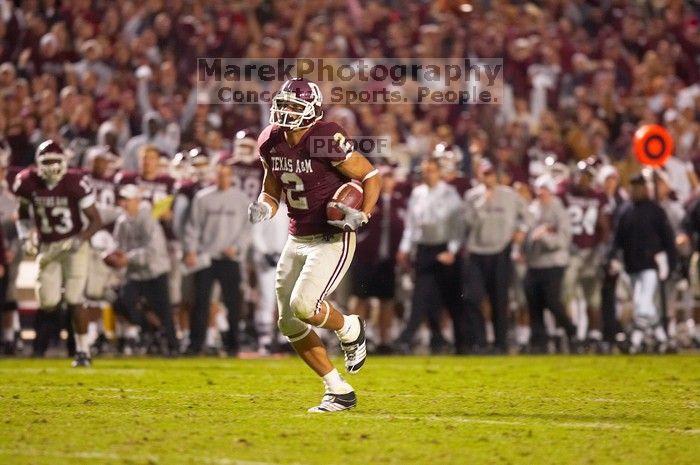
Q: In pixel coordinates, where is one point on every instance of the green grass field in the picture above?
(492, 410)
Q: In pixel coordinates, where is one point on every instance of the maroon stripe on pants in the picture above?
(336, 271)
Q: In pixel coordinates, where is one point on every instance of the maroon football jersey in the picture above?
(386, 226)
(307, 172)
(57, 211)
(461, 183)
(105, 196)
(248, 177)
(584, 207)
(105, 191)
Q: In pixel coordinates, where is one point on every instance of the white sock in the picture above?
(660, 334)
(335, 384)
(211, 337)
(350, 330)
(92, 332)
(490, 335)
(522, 334)
(132, 332)
(15, 321)
(637, 337)
(82, 343)
(672, 328)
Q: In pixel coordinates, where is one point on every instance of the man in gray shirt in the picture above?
(547, 254)
(142, 252)
(433, 232)
(217, 236)
(495, 216)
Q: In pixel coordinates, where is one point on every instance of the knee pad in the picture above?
(302, 307)
(293, 327)
(48, 300)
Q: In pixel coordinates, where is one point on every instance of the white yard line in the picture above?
(68, 369)
(548, 423)
(89, 455)
(690, 403)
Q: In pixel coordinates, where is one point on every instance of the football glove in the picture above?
(259, 211)
(73, 244)
(30, 247)
(352, 220)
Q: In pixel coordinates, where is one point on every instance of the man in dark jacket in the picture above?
(644, 235)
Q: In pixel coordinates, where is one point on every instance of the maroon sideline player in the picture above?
(246, 164)
(100, 167)
(590, 228)
(56, 197)
(309, 160)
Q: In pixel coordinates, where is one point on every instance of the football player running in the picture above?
(309, 160)
(590, 228)
(56, 198)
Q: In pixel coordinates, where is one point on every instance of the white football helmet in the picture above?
(449, 157)
(297, 105)
(51, 161)
(180, 167)
(245, 147)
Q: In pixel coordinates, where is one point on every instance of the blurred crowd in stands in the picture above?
(549, 234)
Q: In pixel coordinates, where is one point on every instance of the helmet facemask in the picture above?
(244, 150)
(52, 167)
(291, 112)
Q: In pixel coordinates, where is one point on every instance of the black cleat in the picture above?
(81, 360)
(335, 403)
(356, 351)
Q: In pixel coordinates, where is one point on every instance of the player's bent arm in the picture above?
(357, 167)
(271, 191)
(94, 223)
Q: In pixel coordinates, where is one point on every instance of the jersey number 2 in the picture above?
(293, 185)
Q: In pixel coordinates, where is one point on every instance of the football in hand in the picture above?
(114, 259)
(349, 194)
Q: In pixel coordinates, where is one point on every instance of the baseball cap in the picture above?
(545, 181)
(605, 172)
(485, 166)
(130, 191)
